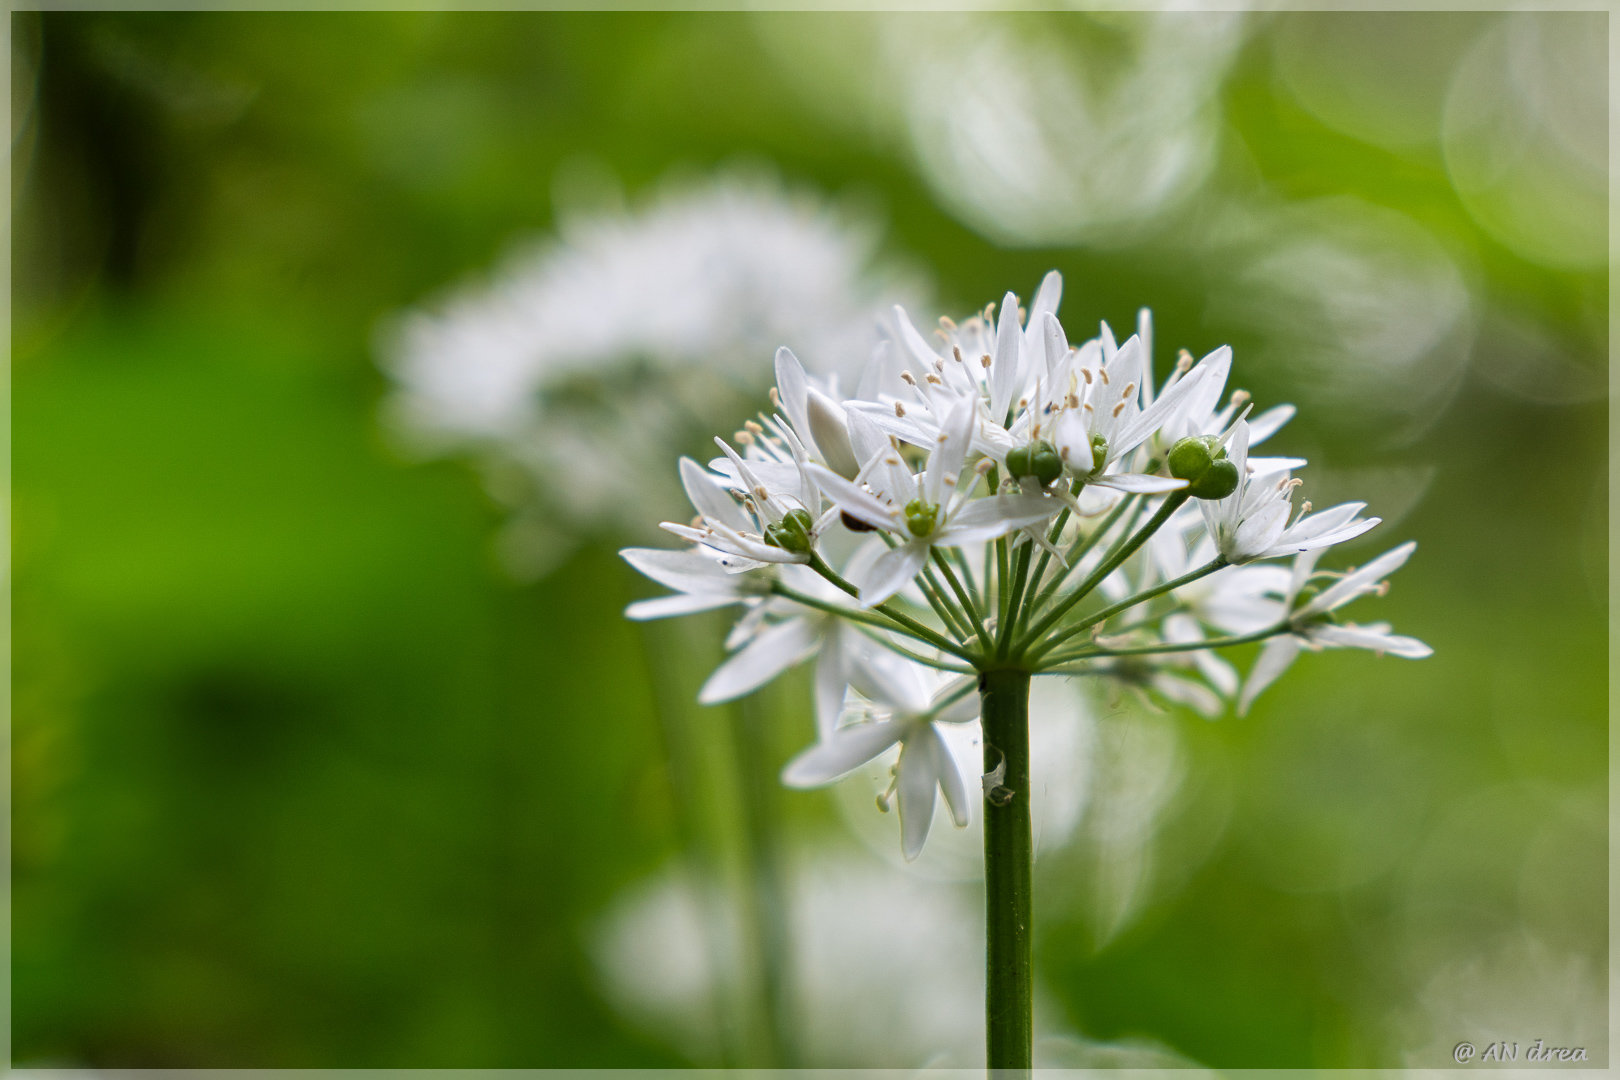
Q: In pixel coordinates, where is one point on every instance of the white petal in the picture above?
(1140, 483)
(949, 452)
(1353, 585)
(761, 660)
(995, 515)
(1047, 298)
(1273, 661)
(1167, 405)
(830, 680)
(710, 499)
(918, 349)
(1005, 374)
(1366, 637)
(893, 570)
(886, 678)
(918, 782)
(792, 387)
(830, 430)
(689, 571)
(963, 709)
(950, 781)
(854, 501)
(663, 607)
(847, 748)
(1192, 694)
(1265, 425)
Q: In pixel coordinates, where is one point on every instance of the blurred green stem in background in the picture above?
(766, 897)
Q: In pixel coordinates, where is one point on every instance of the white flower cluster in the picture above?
(999, 499)
(610, 344)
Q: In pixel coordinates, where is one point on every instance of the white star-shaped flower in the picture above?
(899, 703)
(1252, 522)
(929, 509)
(1311, 625)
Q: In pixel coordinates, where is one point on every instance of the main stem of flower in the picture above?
(1008, 865)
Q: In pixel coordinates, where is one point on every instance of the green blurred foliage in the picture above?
(299, 779)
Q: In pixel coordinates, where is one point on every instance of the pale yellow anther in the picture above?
(908, 378)
(754, 426)
(956, 351)
(1130, 388)
(1239, 397)
(776, 398)
(934, 380)
(950, 481)
(744, 437)
(947, 322)
(1102, 373)
(1119, 408)
(1184, 360)
(942, 437)
(899, 409)
(761, 493)
(891, 461)
(1086, 372)
(984, 466)
(1074, 401)
(1304, 508)
(985, 361)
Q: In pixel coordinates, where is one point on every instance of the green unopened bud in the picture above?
(1201, 461)
(1039, 459)
(1191, 457)
(1218, 481)
(921, 517)
(792, 533)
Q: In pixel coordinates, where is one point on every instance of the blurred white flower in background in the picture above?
(1030, 130)
(1526, 136)
(889, 966)
(1362, 309)
(588, 356)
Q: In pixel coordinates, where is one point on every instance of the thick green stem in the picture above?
(1008, 865)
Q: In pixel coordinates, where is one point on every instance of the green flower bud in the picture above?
(921, 517)
(1218, 481)
(1038, 459)
(1190, 458)
(1201, 461)
(792, 533)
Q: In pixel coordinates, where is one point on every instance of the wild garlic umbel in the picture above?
(993, 504)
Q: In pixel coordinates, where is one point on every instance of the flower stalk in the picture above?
(1009, 864)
